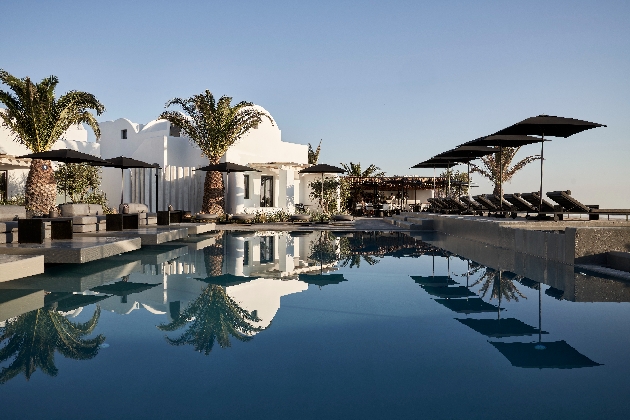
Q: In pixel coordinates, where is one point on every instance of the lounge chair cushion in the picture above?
(134, 208)
(72, 210)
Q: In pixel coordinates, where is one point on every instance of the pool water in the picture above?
(277, 325)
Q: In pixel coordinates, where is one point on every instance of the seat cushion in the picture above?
(72, 210)
(10, 212)
(134, 208)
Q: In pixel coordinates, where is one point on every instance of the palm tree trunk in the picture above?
(213, 192)
(41, 188)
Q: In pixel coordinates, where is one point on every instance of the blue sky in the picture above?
(390, 83)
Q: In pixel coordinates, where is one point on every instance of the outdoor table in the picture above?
(32, 231)
(166, 217)
(118, 222)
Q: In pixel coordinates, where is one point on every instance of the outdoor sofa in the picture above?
(144, 217)
(9, 216)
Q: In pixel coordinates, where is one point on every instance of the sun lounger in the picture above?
(435, 204)
(487, 204)
(519, 204)
(534, 199)
(472, 203)
(456, 204)
(502, 204)
(571, 205)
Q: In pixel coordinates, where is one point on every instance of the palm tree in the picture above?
(313, 155)
(213, 316)
(492, 170)
(354, 170)
(214, 126)
(32, 339)
(38, 120)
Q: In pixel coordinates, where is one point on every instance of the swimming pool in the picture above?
(311, 325)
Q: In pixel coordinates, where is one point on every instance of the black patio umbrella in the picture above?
(322, 168)
(433, 280)
(448, 292)
(503, 140)
(555, 354)
(548, 125)
(432, 163)
(465, 154)
(123, 163)
(66, 302)
(66, 156)
(227, 167)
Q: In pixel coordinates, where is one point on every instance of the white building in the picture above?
(277, 186)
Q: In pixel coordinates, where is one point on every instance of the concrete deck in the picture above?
(147, 235)
(567, 242)
(17, 302)
(195, 228)
(17, 266)
(359, 224)
(77, 250)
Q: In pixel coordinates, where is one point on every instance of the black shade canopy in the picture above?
(504, 140)
(432, 163)
(556, 354)
(468, 306)
(123, 162)
(227, 280)
(467, 151)
(67, 156)
(227, 167)
(549, 125)
(322, 168)
(124, 288)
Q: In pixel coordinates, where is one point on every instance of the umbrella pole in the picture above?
(321, 198)
(539, 312)
(448, 178)
(499, 308)
(225, 194)
(468, 187)
(122, 184)
(542, 160)
(157, 190)
(501, 177)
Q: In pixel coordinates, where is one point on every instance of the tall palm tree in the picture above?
(494, 164)
(214, 126)
(32, 339)
(38, 120)
(213, 316)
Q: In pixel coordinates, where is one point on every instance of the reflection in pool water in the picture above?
(318, 325)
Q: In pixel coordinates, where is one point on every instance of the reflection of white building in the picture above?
(277, 185)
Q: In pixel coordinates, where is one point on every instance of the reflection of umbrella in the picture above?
(497, 328)
(70, 302)
(124, 288)
(227, 167)
(448, 292)
(555, 354)
(322, 168)
(433, 280)
(551, 126)
(322, 279)
(127, 163)
(468, 306)
(226, 280)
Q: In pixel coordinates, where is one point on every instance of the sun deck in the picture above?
(148, 235)
(17, 266)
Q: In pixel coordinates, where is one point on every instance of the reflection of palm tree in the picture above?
(500, 284)
(354, 260)
(33, 338)
(213, 257)
(324, 250)
(350, 257)
(213, 316)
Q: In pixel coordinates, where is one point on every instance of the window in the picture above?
(123, 134)
(246, 253)
(4, 185)
(266, 191)
(174, 131)
(246, 186)
(266, 249)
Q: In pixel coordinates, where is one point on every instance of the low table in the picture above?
(32, 231)
(118, 222)
(166, 217)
